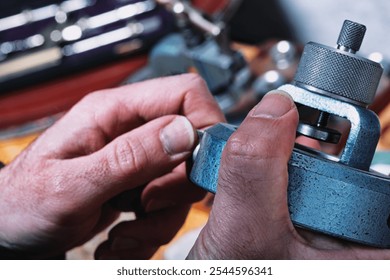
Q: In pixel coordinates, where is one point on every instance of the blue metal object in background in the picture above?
(200, 46)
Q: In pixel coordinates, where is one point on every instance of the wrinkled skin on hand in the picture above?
(130, 140)
(250, 217)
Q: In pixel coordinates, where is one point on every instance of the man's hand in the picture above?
(250, 217)
(66, 186)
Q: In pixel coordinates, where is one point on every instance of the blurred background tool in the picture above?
(43, 40)
(201, 45)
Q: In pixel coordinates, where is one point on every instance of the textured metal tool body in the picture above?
(338, 196)
(339, 72)
(333, 72)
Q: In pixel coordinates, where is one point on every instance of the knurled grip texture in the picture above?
(351, 35)
(339, 74)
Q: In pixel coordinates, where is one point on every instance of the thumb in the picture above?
(256, 155)
(137, 157)
(250, 210)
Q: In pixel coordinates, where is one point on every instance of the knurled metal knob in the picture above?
(351, 36)
(339, 72)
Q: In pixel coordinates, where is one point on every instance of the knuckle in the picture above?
(92, 97)
(129, 157)
(244, 147)
(95, 99)
(240, 146)
(88, 104)
(58, 187)
(53, 191)
(247, 160)
(194, 80)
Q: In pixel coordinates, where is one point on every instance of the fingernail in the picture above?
(178, 136)
(157, 204)
(121, 243)
(273, 105)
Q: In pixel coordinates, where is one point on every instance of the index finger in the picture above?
(132, 105)
(104, 115)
